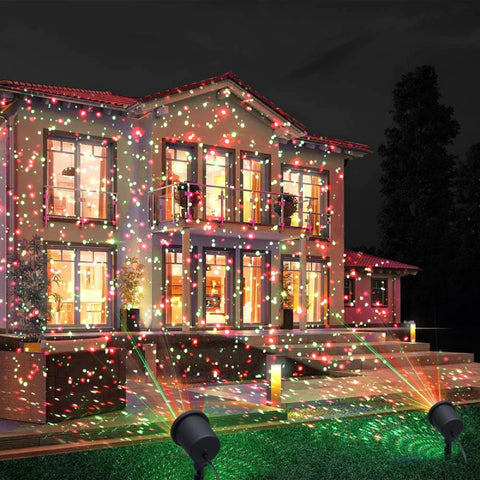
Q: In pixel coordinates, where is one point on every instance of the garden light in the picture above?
(445, 419)
(192, 431)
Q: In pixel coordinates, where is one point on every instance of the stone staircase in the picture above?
(337, 351)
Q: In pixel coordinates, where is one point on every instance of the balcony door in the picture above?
(254, 178)
(218, 164)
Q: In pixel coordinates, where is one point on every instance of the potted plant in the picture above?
(30, 283)
(287, 204)
(128, 282)
(187, 196)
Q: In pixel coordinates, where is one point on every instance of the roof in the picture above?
(124, 102)
(96, 96)
(337, 143)
(220, 78)
(364, 260)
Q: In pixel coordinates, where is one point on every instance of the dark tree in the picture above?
(416, 185)
(468, 216)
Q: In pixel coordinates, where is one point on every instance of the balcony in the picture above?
(79, 205)
(200, 204)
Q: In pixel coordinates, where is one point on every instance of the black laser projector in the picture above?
(445, 419)
(192, 431)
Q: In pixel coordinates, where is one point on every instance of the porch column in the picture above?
(303, 283)
(186, 264)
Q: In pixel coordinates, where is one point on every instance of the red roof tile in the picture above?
(360, 259)
(96, 96)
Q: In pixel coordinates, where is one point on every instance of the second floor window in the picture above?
(79, 181)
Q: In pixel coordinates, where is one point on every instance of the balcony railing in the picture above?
(194, 201)
(82, 205)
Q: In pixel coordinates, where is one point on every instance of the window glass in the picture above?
(379, 292)
(77, 179)
(79, 294)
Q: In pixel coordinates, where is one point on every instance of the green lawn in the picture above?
(403, 446)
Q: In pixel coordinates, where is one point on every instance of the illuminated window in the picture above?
(379, 292)
(217, 179)
(80, 296)
(173, 287)
(218, 281)
(254, 178)
(349, 292)
(179, 162)
(312, 189)
(79, 178)
(316, 284)
(255, 289)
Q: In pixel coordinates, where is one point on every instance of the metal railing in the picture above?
(79, 204)
(193, 201)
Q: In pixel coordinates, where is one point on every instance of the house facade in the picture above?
(234, 209)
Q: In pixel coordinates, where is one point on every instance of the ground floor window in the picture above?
(254, 289)
(224, 285)
(218, 286)
(316, 284)
(80, 296)
(173, 287)
(379, 292)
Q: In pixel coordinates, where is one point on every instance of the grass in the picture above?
(403, 446)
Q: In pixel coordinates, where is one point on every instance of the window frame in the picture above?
(111, 300)
(111, 176)
(265, 180)
(349, 299)
(384, 292)
(323, 205)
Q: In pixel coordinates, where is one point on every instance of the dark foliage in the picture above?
(417, 214)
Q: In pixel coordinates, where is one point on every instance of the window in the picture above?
(255, 289)
(218, 287)
(349, 292)
(81, 296)
(379, 292)
(80, 180)
(254, 178)
(179, 162)
(316, 289)
(312, 188)
(173, 287)
(217, 180)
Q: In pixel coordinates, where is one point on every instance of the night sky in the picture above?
(332, 65)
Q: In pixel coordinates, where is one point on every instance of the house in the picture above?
(373, 290)
(233, 207)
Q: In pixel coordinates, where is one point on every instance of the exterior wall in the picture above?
(363, 313)
(4, 145)
(201, 120)
(332, 249)
(130, 237)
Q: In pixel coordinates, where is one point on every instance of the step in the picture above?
(314, 350)
(279, 337)
(361, 362)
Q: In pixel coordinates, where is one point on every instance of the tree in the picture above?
(467, 190)
(416, 185)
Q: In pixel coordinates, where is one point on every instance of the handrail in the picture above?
(165, 206)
